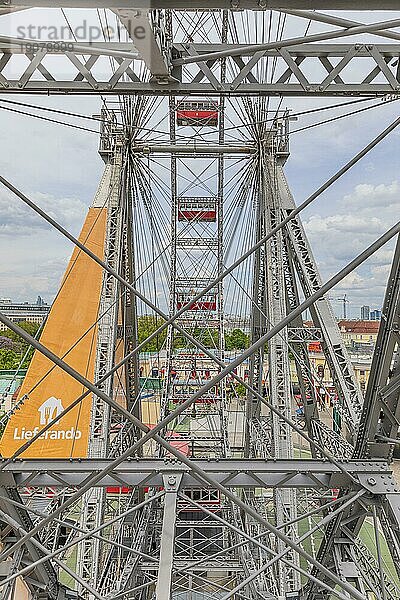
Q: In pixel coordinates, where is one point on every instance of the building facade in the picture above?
(19, 312)
(359, 333)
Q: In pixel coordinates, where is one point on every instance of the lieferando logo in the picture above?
(49, 410)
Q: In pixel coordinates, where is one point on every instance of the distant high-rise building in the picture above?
(365, 313)
(40, 301)
(376, 315)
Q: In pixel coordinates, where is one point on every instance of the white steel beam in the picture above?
(149, 39)
(258, 5)
(93, 503)
(235, 473)
(374, 70)
(164, 580)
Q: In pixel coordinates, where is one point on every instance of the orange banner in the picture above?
(68, 331)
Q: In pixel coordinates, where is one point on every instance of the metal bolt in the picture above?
(371, 481)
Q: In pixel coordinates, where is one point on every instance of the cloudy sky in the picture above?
(59, 168)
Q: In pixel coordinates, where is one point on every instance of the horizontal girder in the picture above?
(212, 4)
(194, 148)
(337, 70)
(241, 473)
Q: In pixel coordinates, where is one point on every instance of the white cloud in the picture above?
(379, 270)
(360, 217)
(34, 264)
(344, 223)
(368, 197)
(353, 281)
(17, 219)
(36, 255)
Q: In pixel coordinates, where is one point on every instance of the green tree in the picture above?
(19, 346)
(147, 324)
(236, 340)
(241, 390)
(9, 359)
(31, 328)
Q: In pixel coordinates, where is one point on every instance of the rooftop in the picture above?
(353, 326)
(371, 327)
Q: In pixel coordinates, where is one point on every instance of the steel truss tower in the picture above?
(94, 502)
(195, 483)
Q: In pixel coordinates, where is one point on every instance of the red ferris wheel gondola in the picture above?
(198, 113)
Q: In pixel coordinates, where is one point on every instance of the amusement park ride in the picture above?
(203, 486)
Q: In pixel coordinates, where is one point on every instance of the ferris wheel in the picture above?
(189, 447)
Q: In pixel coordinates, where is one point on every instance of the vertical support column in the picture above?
(257, 329)
(129, 306)
(381, 410)
(220, 238)
(173, 274)
(93, 502)
(279, 387)
(172, 482)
